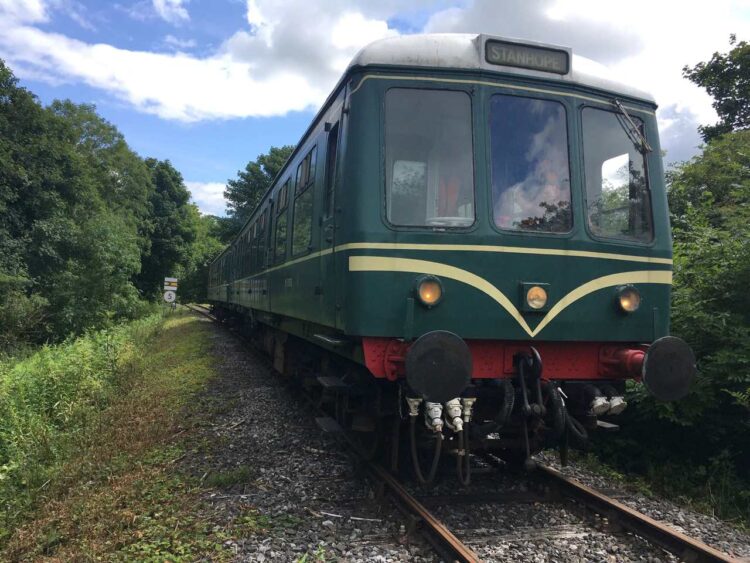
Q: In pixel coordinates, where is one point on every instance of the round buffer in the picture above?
(669, 368)
(438, 366)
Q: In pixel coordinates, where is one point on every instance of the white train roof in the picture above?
(467, 51)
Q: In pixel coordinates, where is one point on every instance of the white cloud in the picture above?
(291, 52)
(177, 43)
(286, 64)
(307, 40)
(27, 11)
(353, 30)
(208, 196)
(172, 11)
(173, 86)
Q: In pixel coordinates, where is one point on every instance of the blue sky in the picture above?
(210, 84)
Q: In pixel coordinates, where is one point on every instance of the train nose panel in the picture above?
(669, 368)
(438, 366)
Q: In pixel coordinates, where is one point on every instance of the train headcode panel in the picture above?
(469, 250)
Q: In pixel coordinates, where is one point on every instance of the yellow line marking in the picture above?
(296, 261)
(487, 83)
(390, 264)
(469, 248)
(510, 249)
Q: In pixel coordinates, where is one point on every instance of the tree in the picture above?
(245, 192)
(727, 78)
(69, 222)
(173, 230)
(20, 117)
(206, 246)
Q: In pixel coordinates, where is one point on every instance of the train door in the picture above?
(327, 283)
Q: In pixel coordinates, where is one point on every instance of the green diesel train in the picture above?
(473, 231)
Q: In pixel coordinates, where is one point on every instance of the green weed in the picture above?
(112, 491)
(234, 476)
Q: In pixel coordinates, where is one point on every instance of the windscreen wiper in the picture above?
(633, 131)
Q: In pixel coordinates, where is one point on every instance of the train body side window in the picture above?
(281, 223)
(331, 157)
(251, 233)
(260, 245)
(303, 204)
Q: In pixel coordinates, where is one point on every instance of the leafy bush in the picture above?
(49, 398)
(700, 447)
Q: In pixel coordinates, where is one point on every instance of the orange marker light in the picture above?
(430, 292)
(536, 297)
(629, 298)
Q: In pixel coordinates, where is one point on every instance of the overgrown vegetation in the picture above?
(103, 482)
(49, 400)
(699, 448)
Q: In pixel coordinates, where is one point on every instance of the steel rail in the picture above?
(447, 541)
(201, 310)
(684, 547)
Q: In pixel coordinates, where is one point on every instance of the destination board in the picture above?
(527, 56)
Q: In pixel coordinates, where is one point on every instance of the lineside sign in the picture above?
(170, 290)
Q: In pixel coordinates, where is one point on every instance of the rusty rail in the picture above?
(447, 542)
(200, 309)
(684, 547)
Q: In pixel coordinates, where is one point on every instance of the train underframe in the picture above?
(408, 423)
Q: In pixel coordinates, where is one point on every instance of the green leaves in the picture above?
(87, 227)
(709, 199)
(245, 192)
(726, 77)
(172, 225)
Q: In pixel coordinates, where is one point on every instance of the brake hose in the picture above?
(415, 454)
(463, 459)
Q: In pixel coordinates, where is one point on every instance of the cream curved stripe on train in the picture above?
(391, 264)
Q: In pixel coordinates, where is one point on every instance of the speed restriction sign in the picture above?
(169, 296)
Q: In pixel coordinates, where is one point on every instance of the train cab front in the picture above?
(511, 267)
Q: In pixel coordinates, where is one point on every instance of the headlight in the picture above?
(628, 298)
(536, 297)
(429, 290)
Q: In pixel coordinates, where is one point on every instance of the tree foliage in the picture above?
(726, 76)
(173, 227)
(245, 192)
(88, 228)
(710, 204)
(205, 248)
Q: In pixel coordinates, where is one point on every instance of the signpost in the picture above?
(170, 291)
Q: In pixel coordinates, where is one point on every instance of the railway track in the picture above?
(618, 515)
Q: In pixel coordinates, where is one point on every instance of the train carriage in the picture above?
(472, 231)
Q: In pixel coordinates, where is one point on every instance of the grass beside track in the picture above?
(113, 491)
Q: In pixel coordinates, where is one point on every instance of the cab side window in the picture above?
(618, 198)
